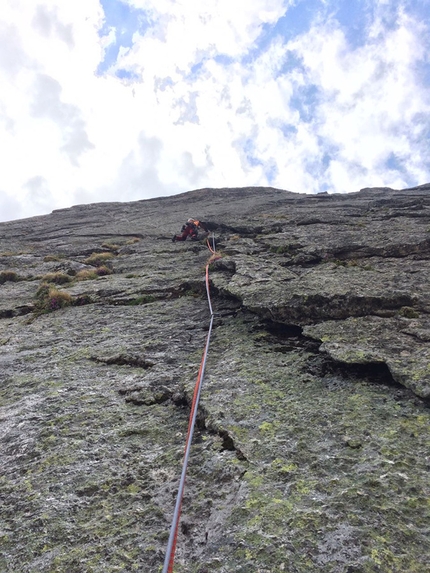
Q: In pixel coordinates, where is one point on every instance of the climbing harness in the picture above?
(171, 545)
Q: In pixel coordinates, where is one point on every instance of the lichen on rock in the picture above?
(313, 432)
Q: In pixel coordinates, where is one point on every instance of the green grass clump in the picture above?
(92, 274)
(8, 276)
(143, 299)
(86, 275)
(111, 247)
(52, 258)
(58, 278)
(48, 299)
(98, 259)
(103, 270)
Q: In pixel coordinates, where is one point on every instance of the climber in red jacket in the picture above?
(190, 229)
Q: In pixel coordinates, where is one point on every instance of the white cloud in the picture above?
(205, 105)
(371, 99)
(10, 207)
(46, 21)
(46, 103)
(38, 193)
(12, 54)
(212, 26)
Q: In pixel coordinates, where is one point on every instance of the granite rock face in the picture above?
(312, 447)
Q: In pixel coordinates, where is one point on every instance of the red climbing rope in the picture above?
(171, 546)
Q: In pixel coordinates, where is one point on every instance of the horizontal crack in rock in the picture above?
(125, 360)
(316, 308)
(325, 367)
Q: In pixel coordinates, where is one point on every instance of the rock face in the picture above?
(312, 447)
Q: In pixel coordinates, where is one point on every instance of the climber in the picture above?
(190, 229)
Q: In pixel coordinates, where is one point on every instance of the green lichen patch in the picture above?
(334, 466)
(311, 449)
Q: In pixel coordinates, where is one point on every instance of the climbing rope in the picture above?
(171, 545)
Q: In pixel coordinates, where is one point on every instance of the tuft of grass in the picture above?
(58, 299)
(8, 276)
(48, 299)
(111, 247)
(86, 275)
(52, 258)
(98, 259)
(58, 278)
(213, 258)
(132, 241)
(14, 253)
(103, 271)
(143, 299)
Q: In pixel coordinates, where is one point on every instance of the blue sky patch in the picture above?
(324, 188)
(389, 14)
(354, 16)
(126, 75)
(331, 151)
(250, 153)
(326, 159)
(304, 101)
(288, 129)
(394, 163)
(417, 8)
(126, 21)
(196, 68)
(296, 20)
(422, 71)
(271, 171)
(291, 62)
(223, 59)
(397, 165)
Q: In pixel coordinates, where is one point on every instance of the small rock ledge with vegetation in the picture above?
(312, 447)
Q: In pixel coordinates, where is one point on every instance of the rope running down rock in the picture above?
(171, 545)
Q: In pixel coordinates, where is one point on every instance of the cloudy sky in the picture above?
(118, 100)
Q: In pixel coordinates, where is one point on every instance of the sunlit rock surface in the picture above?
(312, 448)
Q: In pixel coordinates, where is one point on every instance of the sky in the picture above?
(120, 100)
